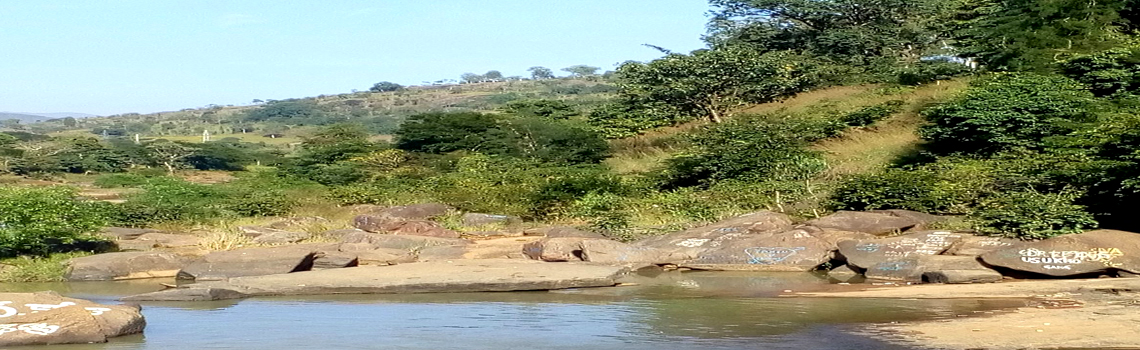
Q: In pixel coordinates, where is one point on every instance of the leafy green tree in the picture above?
(711, 83)
(540, 73)
(854, 32)
(1108, 72)
(285, 111)
(450, 132)
(386, 86)
(1031, 34)
(470, 78)
(1007, 112)
(493, 75)
(170, 154)
(581, 70)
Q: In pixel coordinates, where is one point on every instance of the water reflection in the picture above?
(667, 311)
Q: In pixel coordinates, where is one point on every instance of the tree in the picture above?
(711, 83)
(170, 154)
(581, 70)
(449, 132)
(286, 111)
(546, 109)
(470, 78)
(493, 75)
(855, 32)
(386, 86)
(1032, 34)
(38, 221)
(540, 73)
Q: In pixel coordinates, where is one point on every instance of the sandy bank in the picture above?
(1061, 314)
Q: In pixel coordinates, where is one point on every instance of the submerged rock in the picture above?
(842, 274)
(47, 318)
(125, 265)
(1099, 251)
(490, 275)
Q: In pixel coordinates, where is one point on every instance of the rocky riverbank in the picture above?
(1060, 314)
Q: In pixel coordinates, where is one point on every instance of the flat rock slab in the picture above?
(386, 241)
(252, 262)
(792, 250)
(125, 265)
(943, 268)
(1097, 251)
(461, 276)
(866, 253)
(972, 245)
(47, 318)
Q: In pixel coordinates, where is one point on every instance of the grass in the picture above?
(37, 269)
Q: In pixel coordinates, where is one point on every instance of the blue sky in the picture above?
(117, 56)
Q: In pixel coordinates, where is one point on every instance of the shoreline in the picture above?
(1060, 314)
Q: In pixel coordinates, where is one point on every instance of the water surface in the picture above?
(695, 310)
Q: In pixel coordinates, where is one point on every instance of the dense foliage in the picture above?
(38, 221)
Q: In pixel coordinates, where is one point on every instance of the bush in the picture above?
(37, 221)
(931, 71)
(1008, 111)
(1032, 215)
(892, 189)
(1107, 72)
(121, 180)
(871, 114)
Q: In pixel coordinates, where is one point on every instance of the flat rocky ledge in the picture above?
(458, 276)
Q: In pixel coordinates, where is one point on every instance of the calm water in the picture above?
(670, 311)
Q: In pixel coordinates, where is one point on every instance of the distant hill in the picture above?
(58, 115)
(23, 118)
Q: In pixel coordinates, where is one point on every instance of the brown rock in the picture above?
(153, 240)
(479, 219)
(265, 235)
(251, 262)
(792, 250)
(334, 259)
(694, 241)
(125, 265)
(561, 232)
(945, 268)
(422, 211)
(972, 245)
(46, 318)
(124, 233)
(866, 222)
(555, 249)
(400, 242)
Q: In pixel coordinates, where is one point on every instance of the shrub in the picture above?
(121, 180)
(891, 189)
(931, 71)
(37, 221)
(871, 114)
(1107, 72)
(1032, 215)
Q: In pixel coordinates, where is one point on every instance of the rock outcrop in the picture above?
(221, 265)
(125, 265)
(880, 223)
(864, 254)
(47, 318)
(1093, 252)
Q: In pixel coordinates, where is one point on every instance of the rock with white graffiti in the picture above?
(943, 269)
(972, 245)
(790, 250)
(866, 253)
(694, 241)
(1100, 251)
(47, 318)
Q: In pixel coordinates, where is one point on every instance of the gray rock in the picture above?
(324, 260)
(479, 219)
(125, 265)
(265, 235)
(299, 223)
(913, 269)
(1099, 251)
(47, 318)
(604, 251)
(251, 262)
(422, 211)
(867, 253)
(842, 274)
(124, 233)
(866, 222)
(399, 226)
(460, 276)
(439, 253)
(400, 242)
(791, 250)
(383, 257)
(555, 249)
(924, 220)
(694, 241)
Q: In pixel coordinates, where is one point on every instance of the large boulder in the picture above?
(124, 233)
(300, 223)
(972, 245)
(125, 265)
(1099, 251)
(882, 223)
(933, 268)
(604, 251)
(695, 240)
(555, 249)
(400, 226)
(867, 253)
(562, 231)
(790, 250)
(47, 318)
(252, 262)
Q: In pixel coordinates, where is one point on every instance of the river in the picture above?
(693, 310)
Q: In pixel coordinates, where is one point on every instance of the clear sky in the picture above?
(117, 56)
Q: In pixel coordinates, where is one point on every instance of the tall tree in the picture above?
(581, 70)
(386, 86)
(540, 73)
(493, 75)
